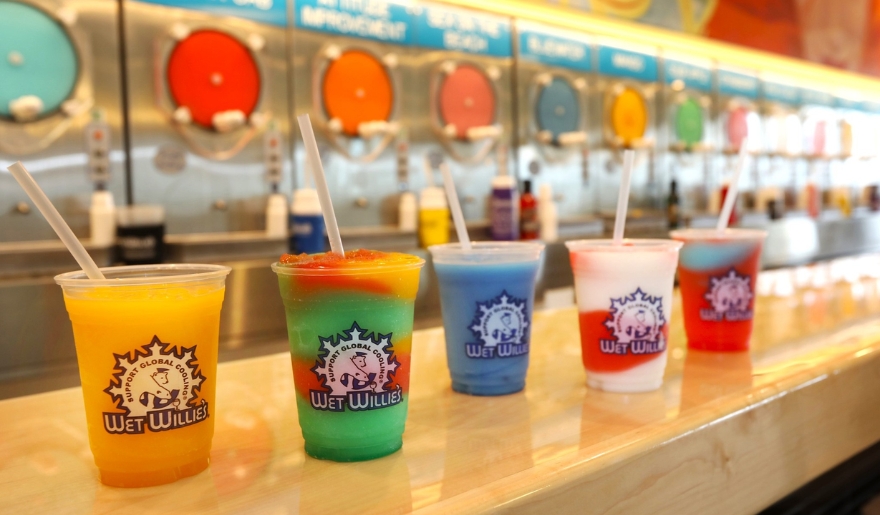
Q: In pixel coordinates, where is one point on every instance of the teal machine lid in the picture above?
(557, 109)
(37, 58)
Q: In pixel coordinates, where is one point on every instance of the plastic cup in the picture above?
(146, 343)
(717, 274)
(350, 330)
(486, 296)
(624, 297)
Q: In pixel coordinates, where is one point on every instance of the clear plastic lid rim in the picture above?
(136, 275)
(281, 269)
(630, 245)
(714, 234)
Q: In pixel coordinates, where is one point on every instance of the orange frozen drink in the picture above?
(146, 342)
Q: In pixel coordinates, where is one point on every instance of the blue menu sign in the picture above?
(543, 47)
(627, 64)
(737, 84)
(871, 106)
(847, 103)
(273, 12)
(693, 76)
(782, 93)
(380, 20)
(816, 98)
(459, 30)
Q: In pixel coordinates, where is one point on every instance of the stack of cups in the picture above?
(486, 295)
(717, 276)
(624, 298)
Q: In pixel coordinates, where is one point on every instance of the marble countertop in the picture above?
(727, 433)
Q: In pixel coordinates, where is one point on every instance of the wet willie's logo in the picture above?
(157, 388)
(730, 296)
(501, 325)
(637, 323)
(357, 369)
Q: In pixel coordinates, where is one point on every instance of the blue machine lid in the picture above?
(36, 58)
(557, 109)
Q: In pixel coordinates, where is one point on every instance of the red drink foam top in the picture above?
(353, 259)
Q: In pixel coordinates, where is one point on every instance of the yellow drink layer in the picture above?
(148, 358)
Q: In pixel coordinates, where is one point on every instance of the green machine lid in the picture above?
(689, 122)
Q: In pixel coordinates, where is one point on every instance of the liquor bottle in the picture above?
(529, 226)
(673, 206)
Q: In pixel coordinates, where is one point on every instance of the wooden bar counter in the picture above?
(727, 433)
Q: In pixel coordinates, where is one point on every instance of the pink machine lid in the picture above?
(737, 126)
(466, 100)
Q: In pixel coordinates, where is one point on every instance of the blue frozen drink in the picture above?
(487, 295)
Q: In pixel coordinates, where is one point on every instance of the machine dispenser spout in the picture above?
(571, 139)
(483, 132)
(228, 121)
(26, 108)
(377, 128)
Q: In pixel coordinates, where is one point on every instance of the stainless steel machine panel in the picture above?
(554, 73)
(208, 89)
(60, 110)
(737, 112)
(461, 94)
(688, 135)
(627, 93)
(782, 169)
(352, 79)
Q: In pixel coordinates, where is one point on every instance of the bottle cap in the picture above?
(527, 186)
(140, 214)
(545, 192)
(306, 202)
(433, 197)
(503, 182)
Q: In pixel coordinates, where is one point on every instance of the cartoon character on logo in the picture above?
(636, 317)
(358, 366)
(730, 296)
(501, 320)
(162, 396)
(360, 378)
(507, 332)
(636, 321)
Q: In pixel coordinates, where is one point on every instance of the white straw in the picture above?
(29, 185)
(457, 215)
(308, 176)
(314, 160)
(733, 189)
(629, 159)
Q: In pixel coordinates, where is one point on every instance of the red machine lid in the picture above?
(211, 72)
(357, 89)
(467, 100)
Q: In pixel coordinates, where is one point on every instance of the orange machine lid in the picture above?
(467, 100)
(357, 89)
(210, 72)
(629, 116)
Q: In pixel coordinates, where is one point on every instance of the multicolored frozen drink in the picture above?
(717, 274)
(349, 320)
(624, 297)
(486, 296)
